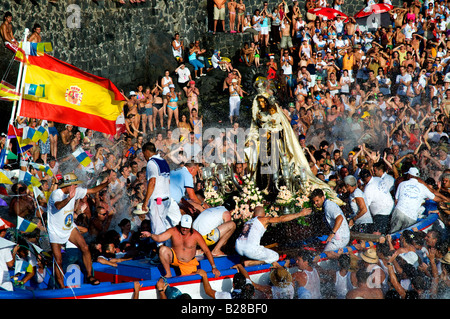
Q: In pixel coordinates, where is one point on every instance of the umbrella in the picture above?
(328, 13)
(375, 8)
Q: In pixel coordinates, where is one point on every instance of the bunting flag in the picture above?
(8, 92)
(11, 156)
(4, 224)
(22, 266)
(28, 136)
(41, 134)
(25, 225)
(3, 190)
(3, 154)
(35, 90)
(4, 243)
(82, 157)
(79, 98)
(43, 168)
(39, 250)
(13, 132)
(4, 179)
(29, 179)
(3, 203)
(32, 49)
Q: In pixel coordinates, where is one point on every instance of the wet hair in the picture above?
(316, 193)
(408, 235)
(344, 261)
(239, 280)
(149, 146)
(306, 255)
(362, 275)
(123, 222)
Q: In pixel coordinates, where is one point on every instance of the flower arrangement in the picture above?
(250, 198)
(212, 197)
(285, 197)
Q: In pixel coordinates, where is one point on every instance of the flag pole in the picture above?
(18, 90)
(24, 71)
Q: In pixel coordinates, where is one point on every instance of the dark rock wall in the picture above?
(128, 43)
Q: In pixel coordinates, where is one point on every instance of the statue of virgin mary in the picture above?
(283, 149)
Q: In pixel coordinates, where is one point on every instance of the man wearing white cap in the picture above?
(409, 197)
(184, 245)
(61, 226)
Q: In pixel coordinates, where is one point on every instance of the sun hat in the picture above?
(280, 277)
(445, 259)
(139, 210)
(186, 221)
(70, 179)
(370, 256)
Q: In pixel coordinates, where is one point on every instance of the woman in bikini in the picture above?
(172, 105)
(184, 126)
(192, 93)
(158, 105)
(165, 82)
(197, 125)
(240, 7)
(147, 116)
(232, 14)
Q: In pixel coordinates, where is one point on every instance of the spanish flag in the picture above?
(72, 96)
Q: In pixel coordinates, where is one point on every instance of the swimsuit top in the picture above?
(174, 99)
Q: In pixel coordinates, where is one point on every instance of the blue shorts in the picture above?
(196, 64)
(52, 131)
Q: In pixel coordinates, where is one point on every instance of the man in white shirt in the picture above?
(438, 132)
(403, 80)
(61, 226)
(182, 185)
(192, 149)
(6, 259)
(216, 227)
(184, 76)
(409, 198)
(409, 29)
(340, 231)
(378, 199)
(157, 197)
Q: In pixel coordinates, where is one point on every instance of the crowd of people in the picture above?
(371, 112)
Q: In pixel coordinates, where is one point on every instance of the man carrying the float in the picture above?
(61, 226)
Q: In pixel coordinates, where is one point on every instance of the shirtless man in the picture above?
(6, 31)
(219, 13)
(23, 204)
(363, 291)
(36, 35)
(286, 40)
(184, 245)
(350, 28)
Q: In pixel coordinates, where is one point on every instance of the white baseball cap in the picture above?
(186, 221)
(414, 172)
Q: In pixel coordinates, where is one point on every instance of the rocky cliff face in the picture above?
(128, 44)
